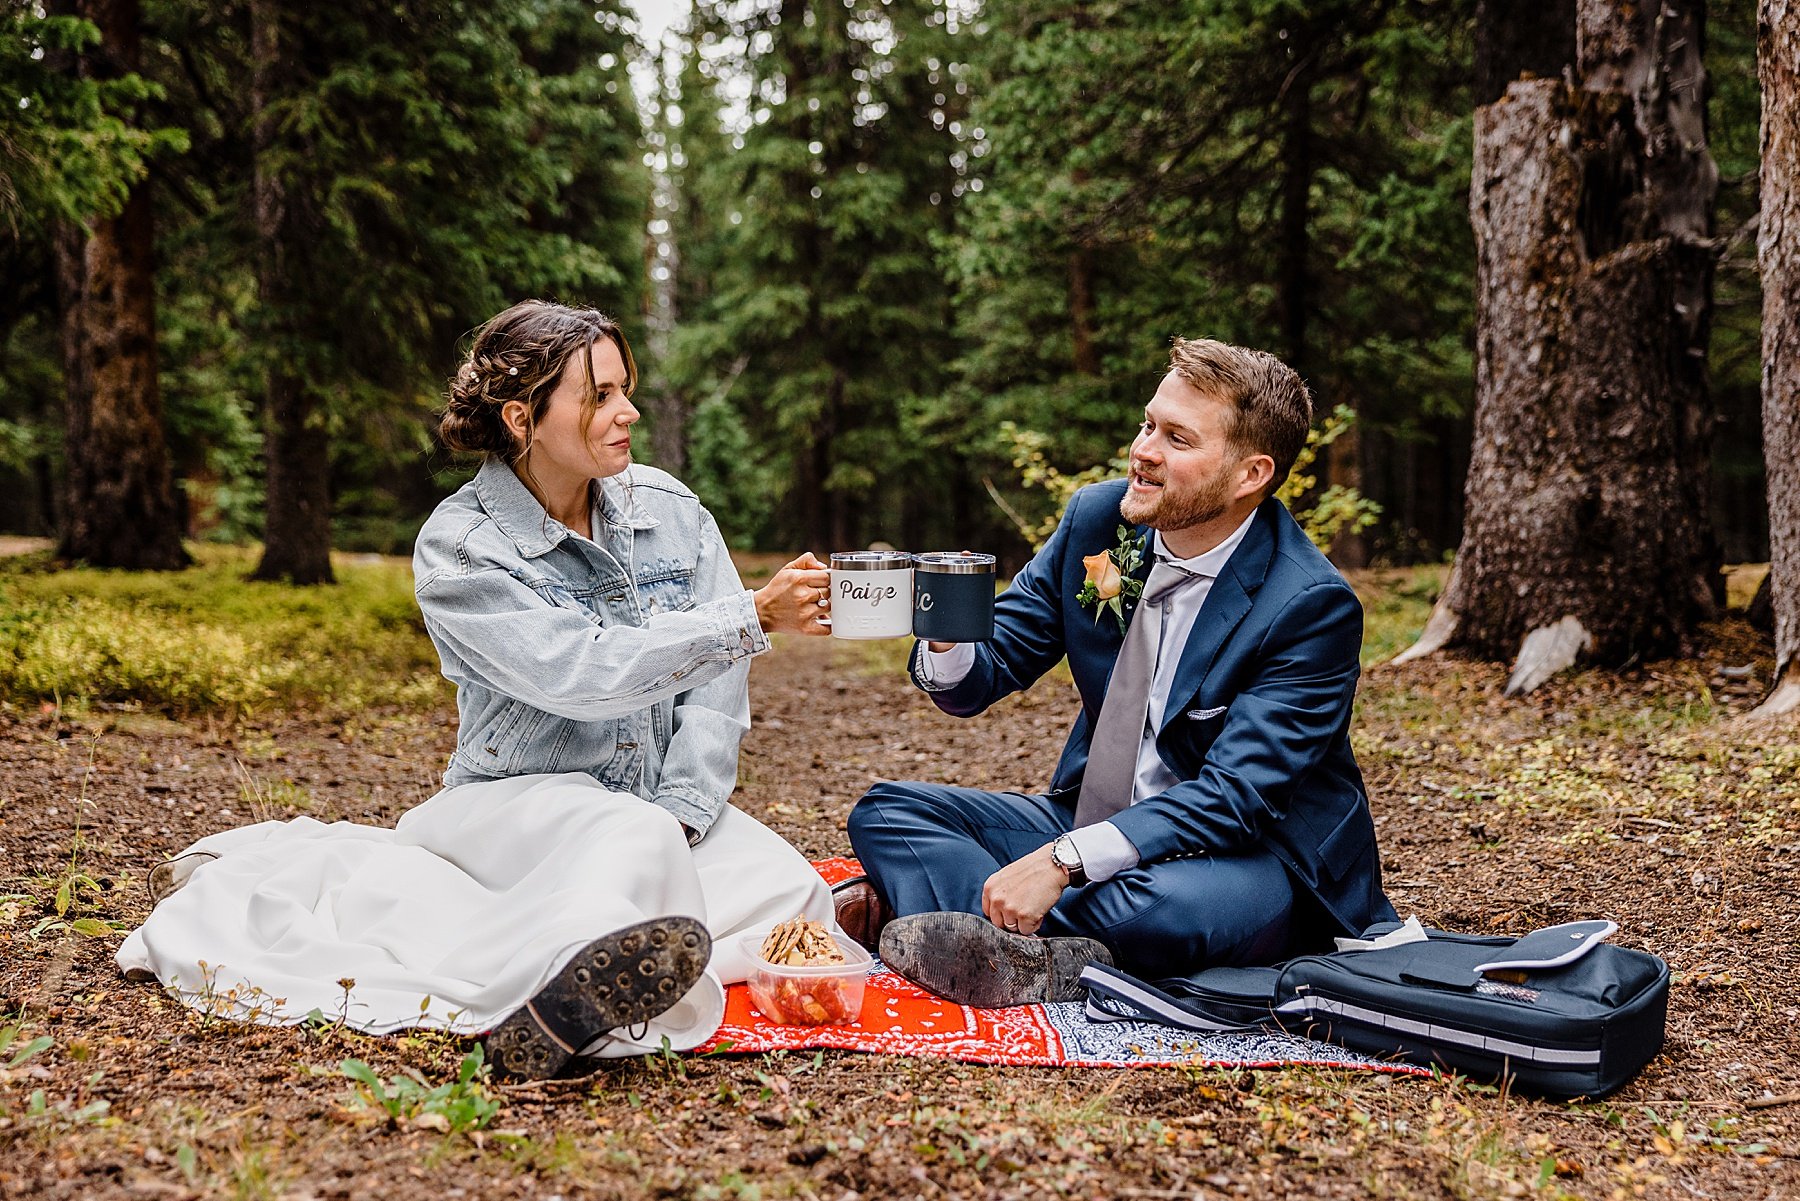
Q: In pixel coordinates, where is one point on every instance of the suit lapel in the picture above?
(1226, 604)
(1141, 573)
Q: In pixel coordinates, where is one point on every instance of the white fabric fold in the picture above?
(455, 917)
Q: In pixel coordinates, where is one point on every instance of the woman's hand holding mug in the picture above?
(797, 600)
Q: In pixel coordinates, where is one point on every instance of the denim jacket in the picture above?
(625, 656)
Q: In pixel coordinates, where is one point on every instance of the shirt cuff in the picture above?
(1104, 850)
(692, 809)
(744, 634)
(945, 669)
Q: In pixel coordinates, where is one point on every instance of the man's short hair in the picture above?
(1270, 407)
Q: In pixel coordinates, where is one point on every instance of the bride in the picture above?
(579, 884)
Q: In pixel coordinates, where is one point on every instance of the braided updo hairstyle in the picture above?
(519, 355)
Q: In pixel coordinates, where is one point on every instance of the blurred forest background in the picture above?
(873, 256)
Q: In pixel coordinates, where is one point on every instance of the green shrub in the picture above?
(1334, 511)
(208, 640)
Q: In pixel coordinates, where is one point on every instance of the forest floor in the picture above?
(1637, 797)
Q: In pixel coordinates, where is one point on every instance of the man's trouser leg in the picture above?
(931, 847)
(1179, 915)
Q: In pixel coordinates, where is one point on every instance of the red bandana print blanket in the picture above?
(900, 1019)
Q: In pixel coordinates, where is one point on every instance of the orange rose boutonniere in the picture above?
(1109, 584)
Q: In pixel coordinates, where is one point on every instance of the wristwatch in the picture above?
(1065, 856)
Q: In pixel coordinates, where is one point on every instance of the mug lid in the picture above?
(955, 562)
(870, 560)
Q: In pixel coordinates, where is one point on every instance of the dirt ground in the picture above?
(1629, 797)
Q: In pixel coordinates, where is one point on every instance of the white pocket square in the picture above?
(1205, 714)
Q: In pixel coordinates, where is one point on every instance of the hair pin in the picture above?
(512, 371)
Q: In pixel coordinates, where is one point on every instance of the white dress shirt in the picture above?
(1103, 847)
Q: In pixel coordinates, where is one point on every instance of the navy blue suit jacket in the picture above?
(1257, 727)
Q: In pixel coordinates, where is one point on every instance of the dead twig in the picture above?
(1772, 1102)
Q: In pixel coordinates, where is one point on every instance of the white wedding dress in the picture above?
(463, 910)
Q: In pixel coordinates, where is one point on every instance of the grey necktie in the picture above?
(1107, 784)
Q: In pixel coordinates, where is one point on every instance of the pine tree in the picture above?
(1275, 174)
(444, 159)
(120, 507)
(75, 147)
(827, 291)
(688, 138)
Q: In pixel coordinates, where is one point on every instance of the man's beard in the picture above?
(1168, 510)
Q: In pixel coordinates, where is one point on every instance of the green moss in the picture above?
(209, 640)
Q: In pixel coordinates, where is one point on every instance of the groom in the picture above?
(1207, 808)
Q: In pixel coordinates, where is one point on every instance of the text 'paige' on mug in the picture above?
(871, 594)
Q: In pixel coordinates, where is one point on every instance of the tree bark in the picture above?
(297, 449)
(120, 506)
(1778, 253)
(1586, 528)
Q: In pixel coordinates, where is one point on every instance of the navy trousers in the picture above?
(931, 847)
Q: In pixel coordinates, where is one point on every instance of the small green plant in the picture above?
(12, 1054)
(1337, 510)
(666, 1061)
(73, 889)
(39, 1109)
(253, 1172)
(456, 1106)
(271, 801)
(245, 1002)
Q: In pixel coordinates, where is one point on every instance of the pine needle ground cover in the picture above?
(1629, 796)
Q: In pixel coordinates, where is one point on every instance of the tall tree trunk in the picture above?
(297, 450)
(120, 507)
(1081, 311)
(662, 310)
(668, 430)
(1592, 204)
(836, 526)
(1294, 239)
(1778, 251)
(1081, 297)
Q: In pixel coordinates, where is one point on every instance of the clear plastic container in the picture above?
(826, 994)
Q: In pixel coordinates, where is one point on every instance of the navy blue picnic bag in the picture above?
(1559, 1012)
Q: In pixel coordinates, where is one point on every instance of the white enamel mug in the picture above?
(871, 594)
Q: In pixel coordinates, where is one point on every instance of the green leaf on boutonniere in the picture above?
(1126, 558)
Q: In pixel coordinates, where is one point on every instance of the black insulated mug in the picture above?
(953, 596)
